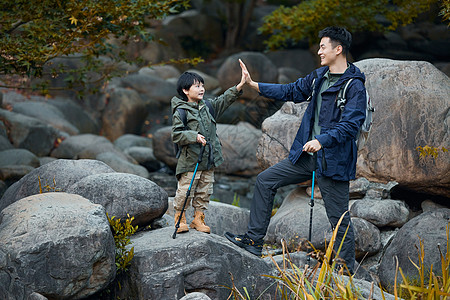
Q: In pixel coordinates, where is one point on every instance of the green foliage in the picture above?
(430, 151)
(34, 32)
(325, 282)
(445, 11)
(428, 285)
(122, 232)
(47, 187)
(292, 24)
(236, 200)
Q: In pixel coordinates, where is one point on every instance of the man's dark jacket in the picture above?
(337, 135)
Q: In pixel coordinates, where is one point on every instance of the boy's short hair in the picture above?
(186, 80)
(338, 36)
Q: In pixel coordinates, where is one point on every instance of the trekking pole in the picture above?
(311, 203)
(200, 155)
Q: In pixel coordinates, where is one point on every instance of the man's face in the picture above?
(195, 92)
(327, 52)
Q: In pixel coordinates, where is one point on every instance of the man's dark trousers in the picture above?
(335, 195)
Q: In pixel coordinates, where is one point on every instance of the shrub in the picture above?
(122, 232)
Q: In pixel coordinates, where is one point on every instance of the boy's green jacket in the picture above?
(199, 120)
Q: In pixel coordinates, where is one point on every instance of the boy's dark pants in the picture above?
(335, 195)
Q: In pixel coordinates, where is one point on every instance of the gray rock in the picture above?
(93, 150)
(194, 261)
(122, 194)
(72, 145)
(18, 157)
(119, 164)
(29, 133)
(429, 205)
(13, 173)
(56, 244)
(145, 157)
(47, 113)
(291, 222)
(195, 296)
(149, 87)
(413, 116)
(124, 113)
(220, 217)
(301, 59)
(358, 188)
(288, 75)
(45, 160)
(428, 229)
(131, 140)
(164, 72)
(5, 144)
(381, 213)
(57, 175)
(36, 296)
(367, 238)
(278, 133)
(76, 115)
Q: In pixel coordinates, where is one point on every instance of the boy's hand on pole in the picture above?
(201, 139)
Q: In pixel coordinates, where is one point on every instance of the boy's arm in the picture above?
(180, 135)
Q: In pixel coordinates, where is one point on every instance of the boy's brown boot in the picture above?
(183, 225)
(199, 222)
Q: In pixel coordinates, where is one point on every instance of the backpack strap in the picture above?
(210, 108)
(313, 86)
(183, 116)
(341, 99)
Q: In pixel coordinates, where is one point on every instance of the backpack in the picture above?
(363, 133)
(183, 117)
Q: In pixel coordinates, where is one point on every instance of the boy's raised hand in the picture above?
(246, 76)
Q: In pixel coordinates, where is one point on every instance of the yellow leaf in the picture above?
(73, 20)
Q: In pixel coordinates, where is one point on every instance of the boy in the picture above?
(200, 129)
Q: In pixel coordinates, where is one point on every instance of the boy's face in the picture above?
(327, 52)
(195, 92)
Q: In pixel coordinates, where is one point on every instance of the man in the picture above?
(324, 142)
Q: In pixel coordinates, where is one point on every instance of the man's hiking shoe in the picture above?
(243, 241)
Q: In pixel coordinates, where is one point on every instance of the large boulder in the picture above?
(381, 213)
(29, 133)
(292, 221)
(124, 113)
(47, 113)
(278, 133)
(427, 230)
(166, 268)
(122, 194)
(58, 175)
(411, 101)
(221, 217)
(56, 244)
(73, 145)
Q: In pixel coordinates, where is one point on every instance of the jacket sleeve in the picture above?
(181, 136)
(353, 117)
(297, 91)
(222, 102)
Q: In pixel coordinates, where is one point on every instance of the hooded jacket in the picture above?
(338, 156)
(199, 120)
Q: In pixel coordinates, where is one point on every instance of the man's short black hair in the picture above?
(186, 80)
(338, 36)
